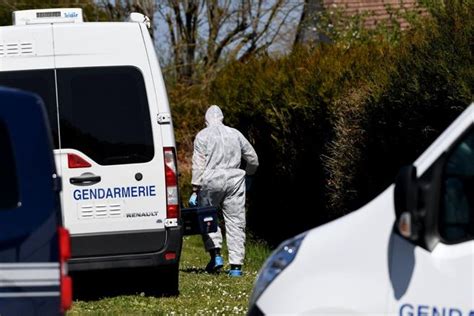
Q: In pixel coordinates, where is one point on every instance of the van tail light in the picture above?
(170, 255)
(65, 280)
(172, 206)
(74, 161)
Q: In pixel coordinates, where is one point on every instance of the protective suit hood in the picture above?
(214, 115)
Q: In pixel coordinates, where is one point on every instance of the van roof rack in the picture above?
(47, 16)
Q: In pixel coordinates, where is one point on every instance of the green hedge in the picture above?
(432, 83)
(332, 125)
(285, 107)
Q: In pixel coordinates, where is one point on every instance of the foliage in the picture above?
(346, 23)
(432, 82)
(188, 104)
(286, 107)
(119, 10)
(333, 125)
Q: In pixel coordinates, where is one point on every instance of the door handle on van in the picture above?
(85, 179)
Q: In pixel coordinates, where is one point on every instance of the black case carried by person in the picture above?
(199, 220)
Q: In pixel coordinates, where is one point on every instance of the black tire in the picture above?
(170, 275)
(162, 281)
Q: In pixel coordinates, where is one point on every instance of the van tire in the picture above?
(163, 281)
(170, 274)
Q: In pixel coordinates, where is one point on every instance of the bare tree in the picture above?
(182, 18)
(308, 32)
(202, 33)
(206, 32)
(119, 10)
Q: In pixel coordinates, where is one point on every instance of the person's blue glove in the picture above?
(193, 200)
(248, 183)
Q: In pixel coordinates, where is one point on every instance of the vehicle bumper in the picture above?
(125, 250)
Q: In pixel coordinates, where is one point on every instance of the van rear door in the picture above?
(29, 209)
(111, 151)
(27, 63)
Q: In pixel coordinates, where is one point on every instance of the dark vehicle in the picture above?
(34, 247)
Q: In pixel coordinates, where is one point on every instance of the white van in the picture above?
(112, 129)
(408, 252)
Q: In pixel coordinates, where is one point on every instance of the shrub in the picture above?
(333, 124)
(188, 104)
(431, 84)
(286, 107)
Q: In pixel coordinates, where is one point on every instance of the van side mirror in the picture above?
(406, 202)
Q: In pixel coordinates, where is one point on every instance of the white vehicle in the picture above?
(112, 129)
(408, 252)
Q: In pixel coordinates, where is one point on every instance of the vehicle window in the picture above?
(9, 196)
(457, 215)
(40, 82)
(104, 113)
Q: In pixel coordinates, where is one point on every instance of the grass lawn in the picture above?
(200, 292)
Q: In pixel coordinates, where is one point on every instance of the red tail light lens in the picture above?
(64, 244)
(74, 161)
(170, 255)
(66, 293)
(172, 209)
(65, 280)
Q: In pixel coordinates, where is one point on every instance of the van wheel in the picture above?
(165, 281)
(171, 276)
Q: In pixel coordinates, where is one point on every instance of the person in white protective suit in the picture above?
(218, 181)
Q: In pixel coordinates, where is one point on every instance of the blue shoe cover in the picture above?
(215, 264)
(219, 262)
(235, 273)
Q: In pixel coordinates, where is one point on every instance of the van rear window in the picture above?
(9, 196)
(103, 112)
(40, 82)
